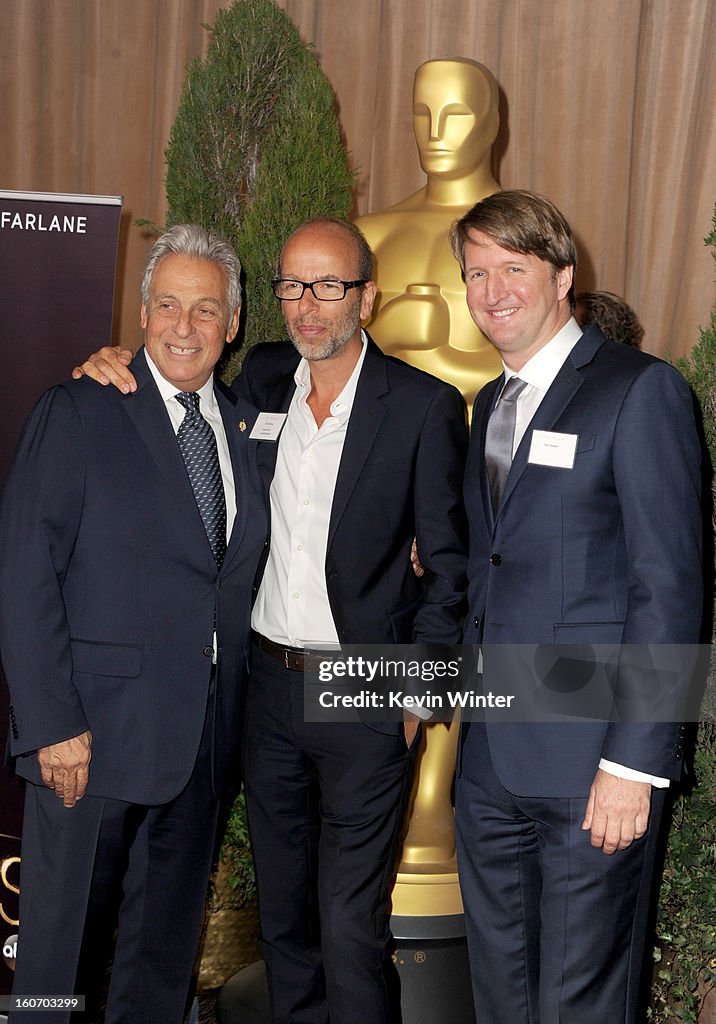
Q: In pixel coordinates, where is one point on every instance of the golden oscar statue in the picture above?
(422, 317)
(421, 314)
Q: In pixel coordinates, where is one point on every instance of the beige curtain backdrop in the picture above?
(607, 108)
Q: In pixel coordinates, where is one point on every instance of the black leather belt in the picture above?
(293, 658)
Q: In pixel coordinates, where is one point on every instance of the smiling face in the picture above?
(324, 330)
(455, 116)
(186, 323)
(518, 301)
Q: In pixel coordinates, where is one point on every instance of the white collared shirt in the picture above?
(209, 408)
(292, 606)
(539, 374)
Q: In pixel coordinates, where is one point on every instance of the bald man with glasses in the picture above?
(370, 454)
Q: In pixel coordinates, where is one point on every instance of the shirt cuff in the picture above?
(622, 772)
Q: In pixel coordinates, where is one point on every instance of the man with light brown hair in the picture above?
(582, 491)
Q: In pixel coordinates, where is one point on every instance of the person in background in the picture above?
(613, 316)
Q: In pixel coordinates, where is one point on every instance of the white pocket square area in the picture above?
(551, 449)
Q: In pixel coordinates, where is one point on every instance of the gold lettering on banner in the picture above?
(4, 868)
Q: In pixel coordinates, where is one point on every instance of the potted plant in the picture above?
(256, 148)
(232, 923)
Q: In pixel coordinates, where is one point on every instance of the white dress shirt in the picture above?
(209, 408)
(292, 606)
(539, 373)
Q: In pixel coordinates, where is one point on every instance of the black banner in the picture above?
(57, 266)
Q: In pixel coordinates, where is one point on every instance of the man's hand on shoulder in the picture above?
(109, 366)
(617, 811)
(65, 767)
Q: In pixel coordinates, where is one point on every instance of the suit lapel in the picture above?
(561, 392)
(363, 426)
(280, 393)
(239, 419)
(145, 408)
(481, 414)
(278, 399)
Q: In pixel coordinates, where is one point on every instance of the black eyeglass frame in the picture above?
(347, 285)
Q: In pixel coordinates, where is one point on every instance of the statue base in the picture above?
(426, 890)
(431, 962)
(430, 957)
(433, 968)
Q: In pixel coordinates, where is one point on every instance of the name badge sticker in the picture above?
(551, 449)
(268, 426)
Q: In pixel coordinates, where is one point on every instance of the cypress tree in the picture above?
(255, 149)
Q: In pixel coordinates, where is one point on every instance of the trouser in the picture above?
(325, 804)
(106, 863)
(556, 929)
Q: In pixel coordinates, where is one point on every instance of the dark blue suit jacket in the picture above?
(400, 476)
(605, 553)
(109, 591)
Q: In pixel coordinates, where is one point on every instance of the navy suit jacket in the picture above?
(605, 553)
(109, 592)
(400, 476)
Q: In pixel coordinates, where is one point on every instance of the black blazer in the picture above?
(400, 477)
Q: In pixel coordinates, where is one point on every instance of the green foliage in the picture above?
(236, 851)
(699, 367)
(256, 149)
(686, 927)
(685, 954)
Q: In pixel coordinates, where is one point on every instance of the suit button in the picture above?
(208, 651)
(495, 559)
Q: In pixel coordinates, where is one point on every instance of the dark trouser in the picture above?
(325, 804)
(106, 862)
(556, 929)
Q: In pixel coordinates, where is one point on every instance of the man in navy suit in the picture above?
(590, 537)
(131, 530)
(362, 454)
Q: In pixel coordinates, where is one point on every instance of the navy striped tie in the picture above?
(197, 443)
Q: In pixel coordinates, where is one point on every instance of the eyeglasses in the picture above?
(325, 291)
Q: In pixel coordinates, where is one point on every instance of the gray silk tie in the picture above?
(197, 443)
(500, 437)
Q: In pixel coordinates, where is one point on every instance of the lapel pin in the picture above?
(242, 425)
